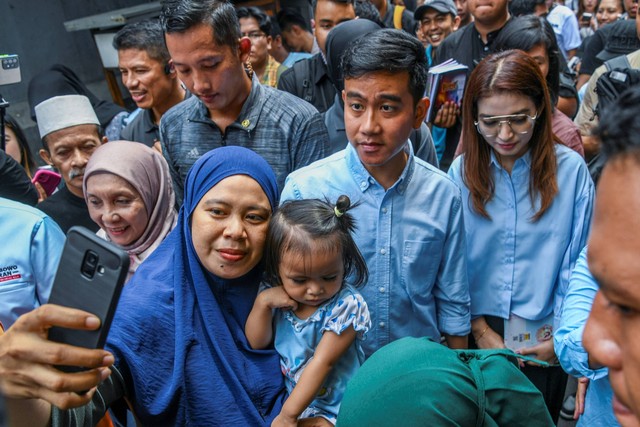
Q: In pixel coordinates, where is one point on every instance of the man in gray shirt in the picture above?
(229, 106)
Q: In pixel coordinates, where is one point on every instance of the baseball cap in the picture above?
(622, 39)
(443, 6)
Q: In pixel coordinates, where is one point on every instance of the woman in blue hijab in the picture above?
(181, 356)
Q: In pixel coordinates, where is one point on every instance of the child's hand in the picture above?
(284, 421)
(276, 297)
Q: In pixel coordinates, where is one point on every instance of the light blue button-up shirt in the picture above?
(29, 255)
(598, 410)
(412, 237)
(516, 265)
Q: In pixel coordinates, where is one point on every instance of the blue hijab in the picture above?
(178, 335)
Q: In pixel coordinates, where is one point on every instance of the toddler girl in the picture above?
(315, 319)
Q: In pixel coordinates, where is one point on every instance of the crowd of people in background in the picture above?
(292, 213)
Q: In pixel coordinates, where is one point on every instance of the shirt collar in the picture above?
(364, 179)
(524, 161)
(249, 115)
(148, 124)
(490, 36)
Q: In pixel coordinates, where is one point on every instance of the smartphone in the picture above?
(586, 17)
(90, 277)
(48, 179)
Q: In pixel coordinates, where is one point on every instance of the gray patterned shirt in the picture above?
(286, 131)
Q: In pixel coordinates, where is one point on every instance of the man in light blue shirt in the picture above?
(31, 248)
(565, 25)
(571, 353)
(409, 215)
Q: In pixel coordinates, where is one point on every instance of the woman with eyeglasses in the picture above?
(527, 204)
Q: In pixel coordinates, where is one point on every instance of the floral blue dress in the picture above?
(296, 340)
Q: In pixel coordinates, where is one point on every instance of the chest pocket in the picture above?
(11, 287)
(420, 264)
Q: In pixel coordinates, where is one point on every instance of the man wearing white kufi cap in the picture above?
(70, 133)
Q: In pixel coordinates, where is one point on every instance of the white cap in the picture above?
(61, 112)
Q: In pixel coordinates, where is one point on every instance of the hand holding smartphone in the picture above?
(90, 277)
(48, 179)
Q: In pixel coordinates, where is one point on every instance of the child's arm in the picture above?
(331, 347)
(259, 329)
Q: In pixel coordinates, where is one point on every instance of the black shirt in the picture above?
(67, 210)
(466, 47)
(308, 79)
(14, 182)
(141, 129)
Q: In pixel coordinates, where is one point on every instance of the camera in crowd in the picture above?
(9, 69)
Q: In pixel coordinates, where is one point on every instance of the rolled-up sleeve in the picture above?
(452, 286)
(576, 307)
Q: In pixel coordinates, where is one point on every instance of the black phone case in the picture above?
(75, 287)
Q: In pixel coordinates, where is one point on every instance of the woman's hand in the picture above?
(543, 351)
(447, 115)
(276, 297)
(490, 339)
(27, 359)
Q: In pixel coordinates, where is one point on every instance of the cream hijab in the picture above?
(147, 171)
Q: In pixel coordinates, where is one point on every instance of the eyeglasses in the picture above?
(254, 35)
(519, 123)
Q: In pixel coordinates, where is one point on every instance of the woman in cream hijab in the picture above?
(128, 189)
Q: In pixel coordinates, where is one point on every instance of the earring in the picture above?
(249, 68)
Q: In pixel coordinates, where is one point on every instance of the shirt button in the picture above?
(384, 210)
(381, 324)
(381, 289)
(383, 251)
(363, 184)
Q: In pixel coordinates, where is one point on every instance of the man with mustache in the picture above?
(70, 133)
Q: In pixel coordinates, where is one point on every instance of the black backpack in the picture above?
(620, 75)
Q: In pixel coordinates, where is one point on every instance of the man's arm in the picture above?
(575, 311)
(451, 290)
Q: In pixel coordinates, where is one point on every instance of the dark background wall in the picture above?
(34, 30)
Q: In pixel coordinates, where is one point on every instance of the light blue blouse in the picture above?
(516, 265)
(296, 341)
